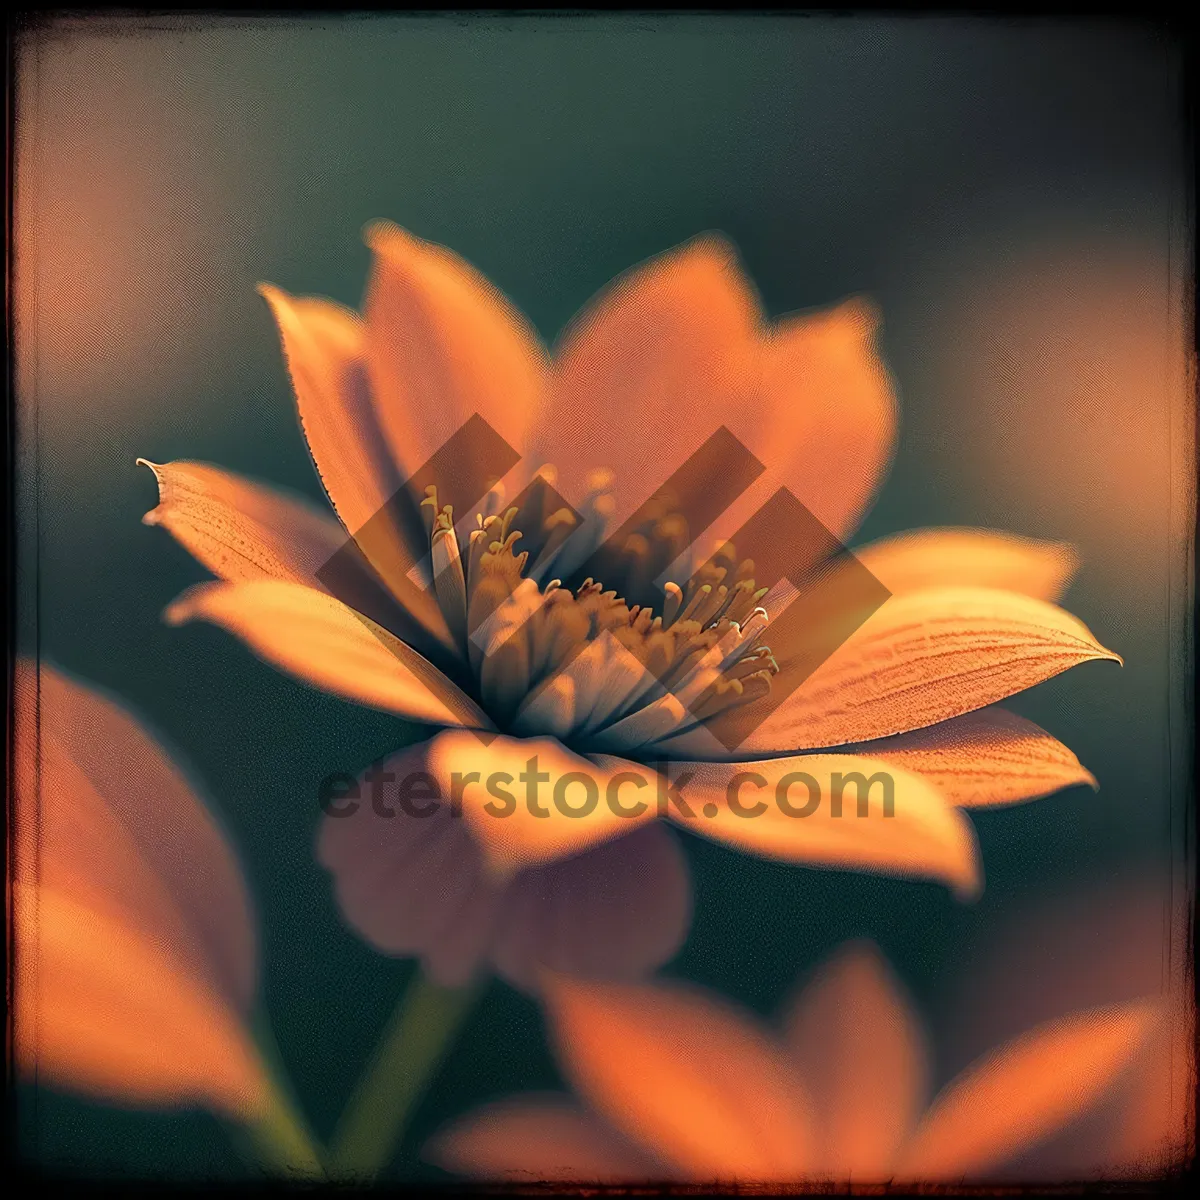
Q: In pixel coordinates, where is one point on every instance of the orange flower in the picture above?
(680, 1085)
(662, 359)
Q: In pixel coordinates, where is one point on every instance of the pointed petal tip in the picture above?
(1068, 552)
(1104, 654)
(860, 314)
(282, 306)
(382, 235)
(713, 244)
(152, 517)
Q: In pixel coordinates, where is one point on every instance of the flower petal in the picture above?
(412, 880)
(918, 833)
(529, 801)
(242, 531)
(1024, 1091)
(668, 345)
(922, 658)
(617, 911)
(828, 409)
(105, 818)
(862, 1054)
(684, 1074)
(324, 345)
(325, 643)
(985, 758)
(443, 344)
(540, 1141)
(407, 875)
(103, 1010)
(238, 529)
(932, 558)
(136, 951)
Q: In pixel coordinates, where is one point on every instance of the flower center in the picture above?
(582, 663)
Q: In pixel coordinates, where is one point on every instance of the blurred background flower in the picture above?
(1010, 196)
(676, 1084)
(135, 951)
(1101, 941)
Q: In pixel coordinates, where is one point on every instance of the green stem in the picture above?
(282, 1139)
(279, 1134)
(413, 1045)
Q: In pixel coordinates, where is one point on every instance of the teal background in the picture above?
(1011, 194)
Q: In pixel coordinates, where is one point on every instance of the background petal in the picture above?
(103, 1009)
(136, 951)
(1024, 1091)
(542, 1140)
(685, 1074)
(863, 1056)
(419, 885)
(106, 818)
(617, 911)
(924, 558)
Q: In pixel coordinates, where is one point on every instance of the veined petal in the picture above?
(934, 558)
(925, 657)
(412, 879)
(1024, 1091)
(324, 345)
(862, 1054)
(837, 810)
(530, 801)
(985, 758)
(685, 1074)
(319, 639)
(540, 1140)
(444, 344)
(241, 530)
(103, 1010)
